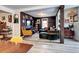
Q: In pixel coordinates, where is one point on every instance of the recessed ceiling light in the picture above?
(41, 14)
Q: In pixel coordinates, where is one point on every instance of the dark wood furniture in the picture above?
(4, 33)
(68, 33)
(2, 26)
(61, 23)
(8, 47)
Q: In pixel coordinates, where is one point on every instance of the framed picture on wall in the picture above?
(10, 18)
(3, 17)
(75, 18)
(38, 21)
(16, 18)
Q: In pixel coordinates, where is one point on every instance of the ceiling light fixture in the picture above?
(42, 14)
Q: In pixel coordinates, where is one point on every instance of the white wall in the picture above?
(16, 26)
(76, 28)
(57, 21)
(6, 9)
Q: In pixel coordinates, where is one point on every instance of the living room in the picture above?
(39, 26)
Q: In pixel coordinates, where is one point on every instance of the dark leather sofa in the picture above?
(45, 35)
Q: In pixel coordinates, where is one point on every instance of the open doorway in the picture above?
(71, 24)
(42, 24)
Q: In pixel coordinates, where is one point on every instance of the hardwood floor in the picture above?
(47, 46)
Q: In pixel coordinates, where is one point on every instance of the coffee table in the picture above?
(8, 47)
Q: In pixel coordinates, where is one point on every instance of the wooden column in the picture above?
(62, 24)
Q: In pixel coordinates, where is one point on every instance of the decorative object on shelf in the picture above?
(31, 18)
(23, 21)
(9, 18)
(10, 29)
(3, 17)
(26, 17)
(16, 18)
(38, 21)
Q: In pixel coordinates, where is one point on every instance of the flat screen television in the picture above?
(28, 24)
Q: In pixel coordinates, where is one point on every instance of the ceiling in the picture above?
(36, 10)
(46, 12)
(3, 11)
(20, 6)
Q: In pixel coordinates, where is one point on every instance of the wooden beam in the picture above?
(62, 24)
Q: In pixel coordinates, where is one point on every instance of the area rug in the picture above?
(8, 47)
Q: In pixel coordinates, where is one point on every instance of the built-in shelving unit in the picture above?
(26, 24)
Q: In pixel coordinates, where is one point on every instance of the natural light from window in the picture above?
(44, 23)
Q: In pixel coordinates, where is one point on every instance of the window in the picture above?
(44, 22)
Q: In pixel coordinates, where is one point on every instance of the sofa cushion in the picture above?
(43, 33)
